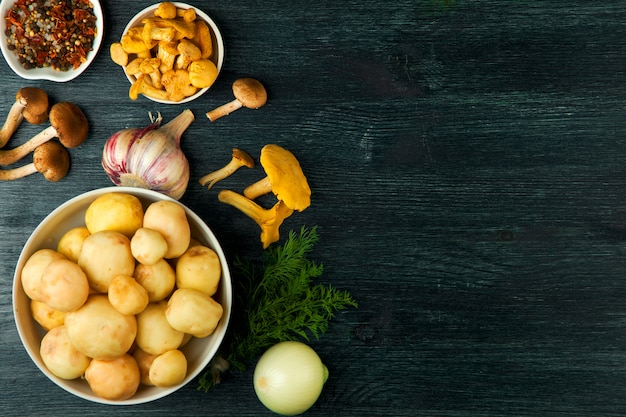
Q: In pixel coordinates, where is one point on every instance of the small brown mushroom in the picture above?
(284, 178)
(240, 159)
(50, 159)
(269, 220)
(248, 93)
(67, 122)
(31, 103)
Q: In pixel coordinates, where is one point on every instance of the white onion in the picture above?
(289, 378)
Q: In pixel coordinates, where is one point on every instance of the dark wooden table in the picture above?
(468, 167)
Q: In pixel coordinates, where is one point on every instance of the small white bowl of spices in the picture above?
(50, 39)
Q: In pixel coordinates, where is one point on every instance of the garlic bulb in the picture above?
(150, 157)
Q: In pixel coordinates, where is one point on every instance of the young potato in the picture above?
(148, 246)
(193, 242)
(114, 379)
(186, 339)
(64, 285)
(99, 331)
(158, 279)
(169, 219)
(47, 317)
(168, 369)
(60, 356)
(144, 360)
(105, 255)
(199, 268)
(154, 333)
(71, 242)
(119, 212)
(127, 295)
(33, 270)
(194, 312)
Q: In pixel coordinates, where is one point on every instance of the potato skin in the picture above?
(120, 212)
(169, 219)
(71, 242)
(168, 369)
(64, 285)
(33, 270)
(47, 317)
(60, 356)
(105, 255)
(154, 333)
(144, 360)
(158, 279)
(148, 246)
(113, 379)
(194, 312)
(199, 268)
(127, 295)
(100, 331)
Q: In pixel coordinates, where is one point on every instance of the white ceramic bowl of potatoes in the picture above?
(171, 53)
(102, 269)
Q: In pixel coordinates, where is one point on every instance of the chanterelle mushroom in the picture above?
(269, 220)
(67, 122)
(31, 103)
(248, 93)
(240, 159)
(284, 178)
(166, 10)
(50, 159)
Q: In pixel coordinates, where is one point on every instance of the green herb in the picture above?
(279, 302)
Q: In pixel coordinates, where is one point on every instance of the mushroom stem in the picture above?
(14, 119)
(257, 189)
(10, 156)
(16, 173)
(31, 103)
(224, 110)
(50, 159)
(239, 159)
(248, 93)
(269, 220)
(67, 122)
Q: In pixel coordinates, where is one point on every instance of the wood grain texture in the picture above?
(467, 165)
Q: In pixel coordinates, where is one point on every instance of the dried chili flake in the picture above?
(51, 33)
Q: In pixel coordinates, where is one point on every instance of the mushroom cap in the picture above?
(250, 92)
(243, 157)
(52, 160)
(36, 104)
(286, 177)
(70, 124)
(169, 47)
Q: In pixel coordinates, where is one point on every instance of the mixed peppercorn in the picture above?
(51, 33)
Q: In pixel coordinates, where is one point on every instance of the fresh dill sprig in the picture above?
(279, 303)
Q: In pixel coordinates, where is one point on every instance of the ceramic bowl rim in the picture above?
(219, 59)
(49, 73)
(25, 323)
